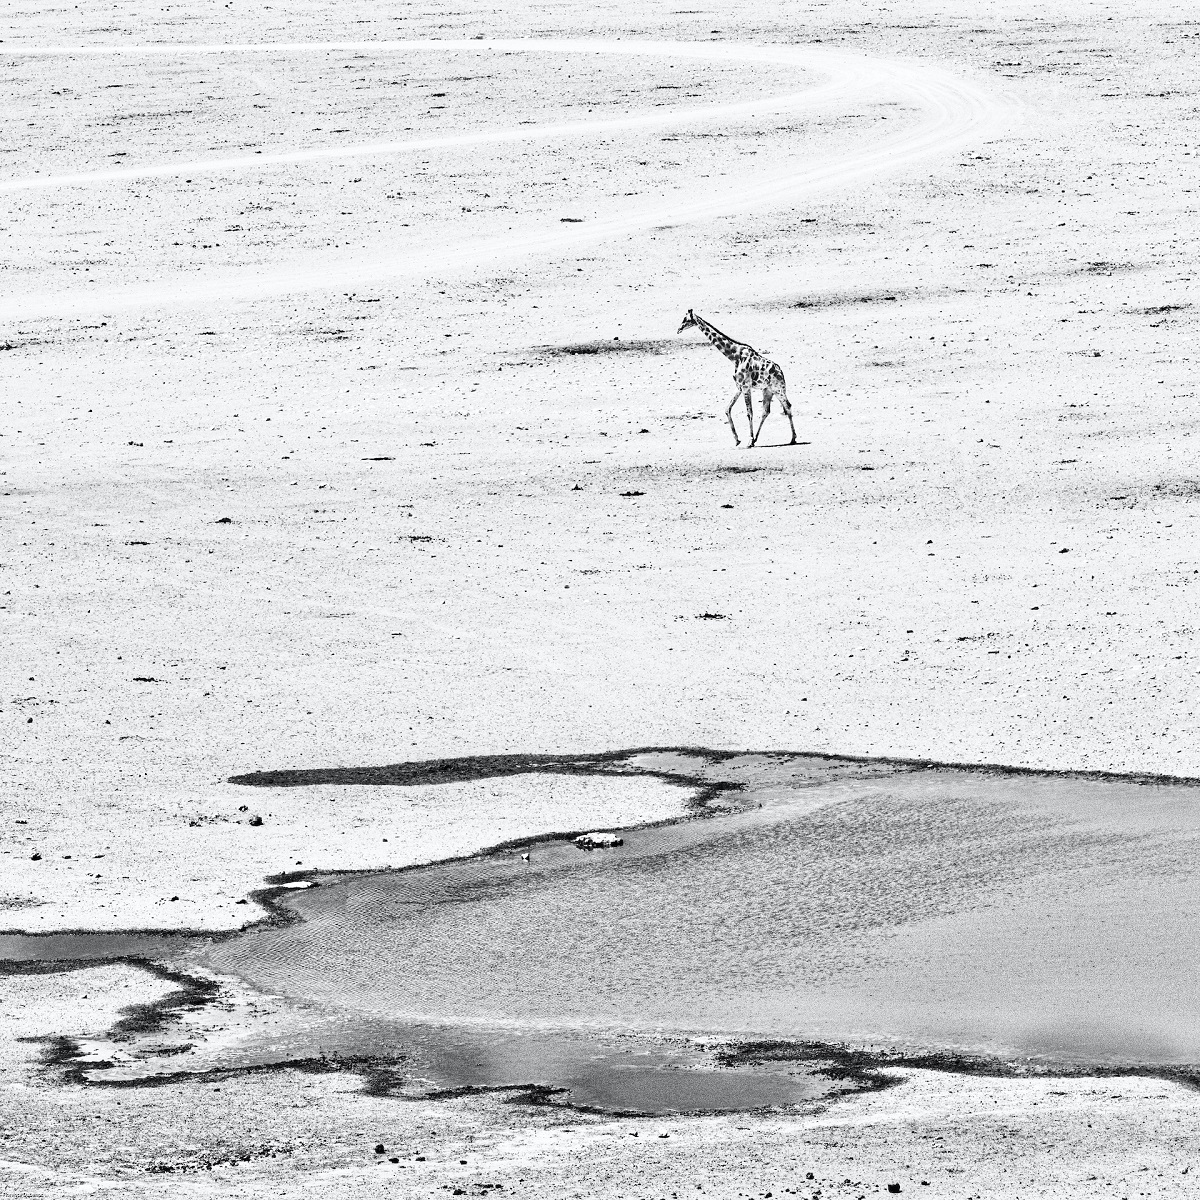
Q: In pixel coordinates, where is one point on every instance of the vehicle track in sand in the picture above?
(954, 111)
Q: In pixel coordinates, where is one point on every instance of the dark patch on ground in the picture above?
(1105, 268)
(735, 470)
(619, 346)
(1158, 310)
(1183, 489)
(839, 299)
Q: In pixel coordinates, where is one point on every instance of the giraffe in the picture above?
(750, 370)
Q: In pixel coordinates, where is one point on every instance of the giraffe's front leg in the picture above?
(750, 415)
(737, 441)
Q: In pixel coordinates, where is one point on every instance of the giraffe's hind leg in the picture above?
(750, 416)
(766, 408)
(737, 441)
(787, 411)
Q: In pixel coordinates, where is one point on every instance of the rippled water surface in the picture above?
(1029, 917)
(932, 908)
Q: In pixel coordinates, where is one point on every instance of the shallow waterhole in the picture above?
(937, 916)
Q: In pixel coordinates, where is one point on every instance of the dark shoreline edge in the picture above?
(867, 1069)
(473, 767)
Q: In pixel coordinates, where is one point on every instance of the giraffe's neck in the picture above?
(728, 346)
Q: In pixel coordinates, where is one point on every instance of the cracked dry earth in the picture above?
(455, 526)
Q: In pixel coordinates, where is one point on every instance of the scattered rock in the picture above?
(633, 493)
(256, 820)
(893, 1187)
(598, 841)
(36, 856)
(379, 1148)
(224, 521)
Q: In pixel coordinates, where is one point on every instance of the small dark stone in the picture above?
(243, 808)
(393, 1160)
(893, 1187)
(240, 902)
(256, 820)
(379, 1148)
(36, 856)
(224, 520)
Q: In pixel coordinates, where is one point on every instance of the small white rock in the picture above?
(598, 841)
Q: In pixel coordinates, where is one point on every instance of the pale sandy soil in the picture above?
(1003, 335)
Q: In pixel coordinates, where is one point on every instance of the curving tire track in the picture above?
(956, 112)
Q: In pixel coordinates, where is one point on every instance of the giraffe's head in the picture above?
(688, 322)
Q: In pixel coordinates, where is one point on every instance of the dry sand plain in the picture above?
(983, 552)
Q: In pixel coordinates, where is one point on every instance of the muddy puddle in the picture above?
(831, 909)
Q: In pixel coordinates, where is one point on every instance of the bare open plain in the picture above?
(346, 424)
